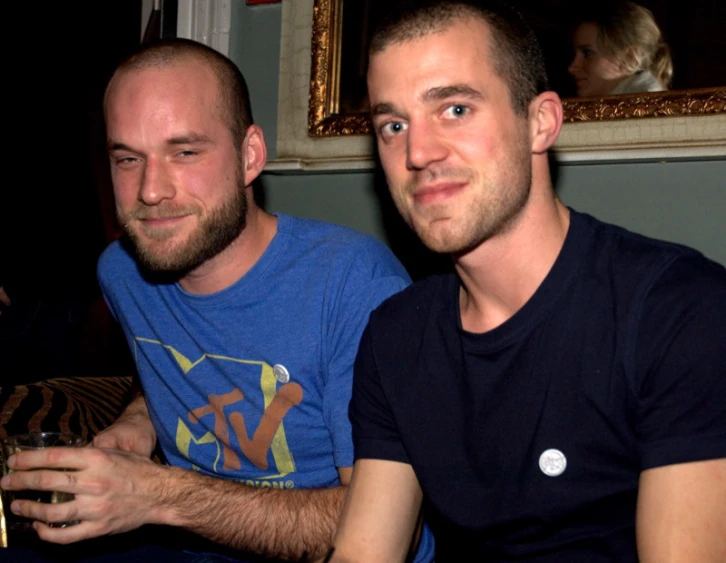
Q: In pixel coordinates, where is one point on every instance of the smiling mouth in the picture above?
(439, 193)
(158, 226)
(162, 219)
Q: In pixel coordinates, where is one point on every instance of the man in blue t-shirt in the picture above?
(243, 326)
(561, 396)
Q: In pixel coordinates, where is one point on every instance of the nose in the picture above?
(156, 184)
(423, 146)
(574, 65)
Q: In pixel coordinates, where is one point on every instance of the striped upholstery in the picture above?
(82, 405)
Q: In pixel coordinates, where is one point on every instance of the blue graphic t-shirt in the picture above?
(252, 383)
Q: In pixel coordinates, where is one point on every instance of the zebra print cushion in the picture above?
(83, 405)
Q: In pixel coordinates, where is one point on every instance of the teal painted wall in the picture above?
(683, 202)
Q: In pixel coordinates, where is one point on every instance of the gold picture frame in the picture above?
(314, 134)
(325, 118)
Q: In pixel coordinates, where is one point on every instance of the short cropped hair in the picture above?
(233, 93)
(517, 54)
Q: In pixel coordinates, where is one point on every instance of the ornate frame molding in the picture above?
(704, 101)
(312, 135)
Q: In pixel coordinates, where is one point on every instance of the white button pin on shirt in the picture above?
(281, 373)
(552, 462)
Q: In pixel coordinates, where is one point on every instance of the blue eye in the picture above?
(456, 110)
(392, 128)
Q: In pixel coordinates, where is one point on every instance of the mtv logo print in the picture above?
(247, 421)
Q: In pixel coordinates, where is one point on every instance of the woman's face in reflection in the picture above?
(595, 74)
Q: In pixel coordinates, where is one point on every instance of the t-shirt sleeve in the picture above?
(681, 366)
(362, 292)
(105, 274)
(375, 434)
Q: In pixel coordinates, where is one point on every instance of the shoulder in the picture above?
(340, 246)
(687, 296)
(115, 260)
(409, 321)
(119, 275)
(638, 260)
(639, 282)
(412, 306)
(660, 290)
(642, 81)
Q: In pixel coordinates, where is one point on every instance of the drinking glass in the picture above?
(32, 441)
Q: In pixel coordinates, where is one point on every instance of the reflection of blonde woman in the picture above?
(620, 51)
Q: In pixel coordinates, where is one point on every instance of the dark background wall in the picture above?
(56, 210)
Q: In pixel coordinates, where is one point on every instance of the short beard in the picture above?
(214, 234)
(492, 215)
(501, 215)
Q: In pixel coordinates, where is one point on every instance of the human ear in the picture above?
(545, 120)
(629, 59)
(254, 153)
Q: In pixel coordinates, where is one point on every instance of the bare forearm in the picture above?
(137, 404)
(292, 524)
(132, 431)
(680, 513)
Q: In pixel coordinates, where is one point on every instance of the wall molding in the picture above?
(205, 21)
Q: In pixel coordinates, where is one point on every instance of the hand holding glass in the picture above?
(34, 441)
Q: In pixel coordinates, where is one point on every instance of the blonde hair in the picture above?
(630, 34)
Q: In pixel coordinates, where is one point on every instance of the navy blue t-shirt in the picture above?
(528, 440)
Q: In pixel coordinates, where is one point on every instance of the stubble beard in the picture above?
(215, 232)
(493, 212)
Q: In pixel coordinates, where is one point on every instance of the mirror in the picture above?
(337, 101)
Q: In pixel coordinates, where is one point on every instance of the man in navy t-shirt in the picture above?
(562, 395)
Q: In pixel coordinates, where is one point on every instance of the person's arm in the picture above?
(380, 513)
(295, 524)
(681, 515)
(681, 422)
(117, 491)
(132, 431)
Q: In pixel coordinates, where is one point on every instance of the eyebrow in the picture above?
(433, 94)
(444, 92)
(381, 109)
(189, 139)
(116, 146)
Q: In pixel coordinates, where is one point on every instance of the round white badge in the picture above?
(552, 462)
(281, 373)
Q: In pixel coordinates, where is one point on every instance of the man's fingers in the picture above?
(69, 534)
(106, 441)
(50, 458)
(46, 511)
(40, 480)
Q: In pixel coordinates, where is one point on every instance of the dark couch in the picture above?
(83, 405)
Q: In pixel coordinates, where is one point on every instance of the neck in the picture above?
(237, 259)
(501, 274)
